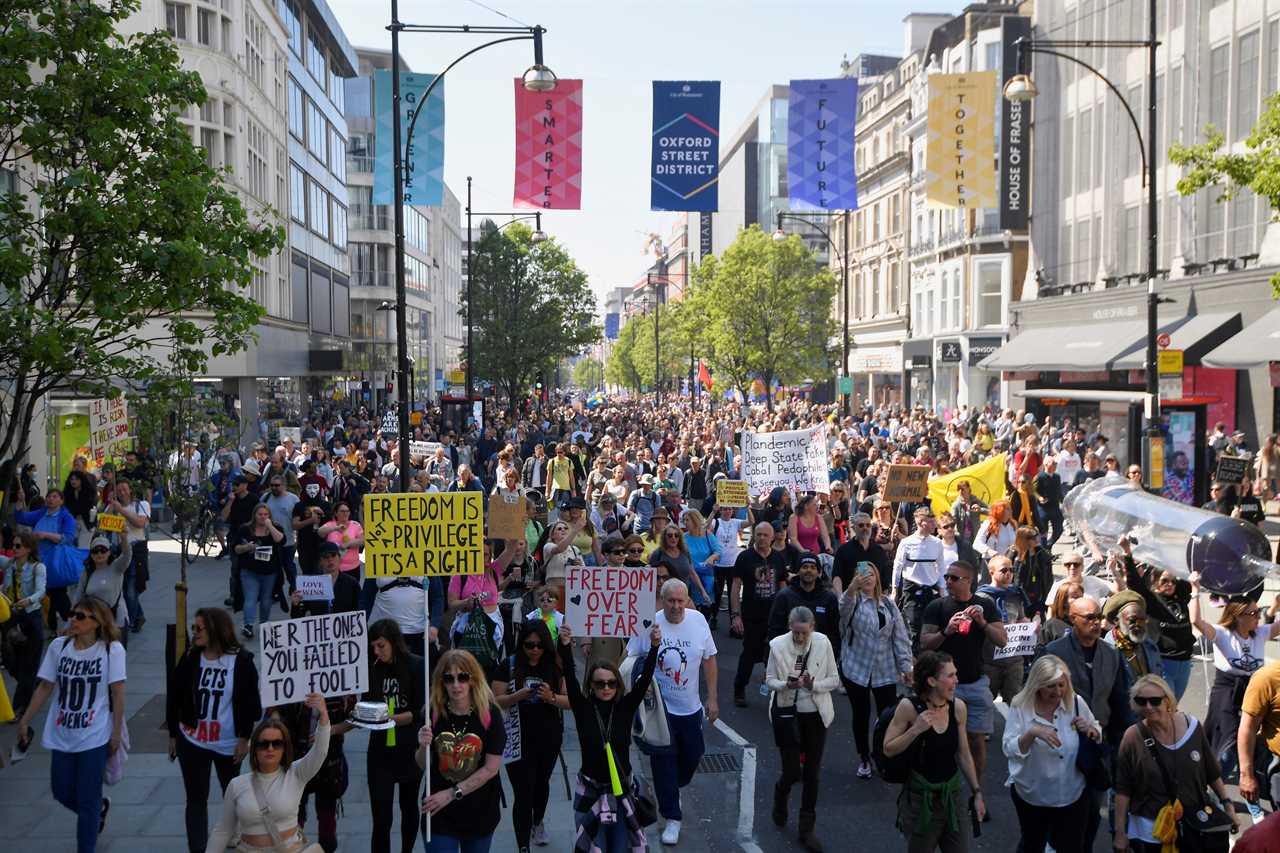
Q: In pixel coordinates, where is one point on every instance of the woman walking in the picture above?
(1032, 569)
(603, 712)
(1041, 740)
(529, 683)
(805, 529)
(348, 535)
(801, 673)
(463, 744)
(24, 584)
(212, 706)
(258, 549)
(397, 680)
(875, 654)
(930, 813)
(673, 553)
(261, 806)
(86, 724)
(704, 553)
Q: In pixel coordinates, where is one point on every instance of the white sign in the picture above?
(328, 655)
(108, 428)
(423, 449)
(1022, 640)
(315, 587)
(294, 433)
(511, 722)
(390, 424)
(607, 601)
(795, 460)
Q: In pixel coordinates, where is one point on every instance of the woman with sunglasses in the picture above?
(103, 578)
(24, 584)
(1032, 569)
(462, 745)
(604, 711)
(395, 680)
(1165, 749)
(557, 551)
(704, 553)
(673, 553)
(529, 683)
(835, 513)
(86, 724)
(261, 806)
(887, 531)
(212, 706)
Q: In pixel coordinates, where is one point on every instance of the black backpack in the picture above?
(896, 768)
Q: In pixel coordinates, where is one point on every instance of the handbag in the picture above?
(1091, 761)
(114, 771)
(786, 724)
(1204, 830)
(277, 845)
(643, 801)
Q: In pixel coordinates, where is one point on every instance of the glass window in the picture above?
(957, 313)
(175, 20)
(318, 209)
(1219, 79)
(321, 320)
(317, 132)
(337, 160)
(1273, 56)
(339, 225)
(297, 120)
(341, 307)
(1063, 274)
(1068, 152)
(1129, 252)
(209, 141)
(316, 64)
(297, 193)
(338, 92)
(1133, 151)
(1240, 240)
(1086, 265)
(1084, 135)
(298, 279)
(1246, 91)
(292, 23)
(1175, 108)
(990, 301)
(206, 22)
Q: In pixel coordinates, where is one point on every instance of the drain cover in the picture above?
(719, 762)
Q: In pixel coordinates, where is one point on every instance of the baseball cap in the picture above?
(327, 548)
(99, 542)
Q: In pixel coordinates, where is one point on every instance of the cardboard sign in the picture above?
(423, 449)
(423, 533)
(794, 459)
(415, 418)
(608, 601)
(731, 493)
(506, 516)
(328, 655)
(109, 428)
(111, 523)
(511, 723)
(1231, 469)
(1022, 640)
(906, 483)
(315, 587)
(291, 433)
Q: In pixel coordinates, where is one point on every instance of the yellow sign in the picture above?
(415, 418)
(456, 377)
(986, 483)
(731, 493)
(111, 523)
(960, 160)
(1155, 459)
(1169, 361)
(906, 483)
(422, 533)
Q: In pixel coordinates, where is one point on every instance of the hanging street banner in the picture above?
(794, 459)
(549, 146)
(1015, 133)
(612, 324)
(424, 167)
(960, 160)
(686, 146)
(423, 533)
(821, 172)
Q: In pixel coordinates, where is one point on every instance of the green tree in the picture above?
(1256, 170)
(124, 254)
(588, 373)
(766, 307)
(533, 308)
(620, 369)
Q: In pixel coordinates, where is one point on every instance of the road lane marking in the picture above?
(746, 788)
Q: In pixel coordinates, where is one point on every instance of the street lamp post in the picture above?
(1021, 87)
(779, 236)
(537, 78)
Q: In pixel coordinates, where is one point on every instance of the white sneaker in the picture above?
(18, 753)
(540, 835)
(671, 832)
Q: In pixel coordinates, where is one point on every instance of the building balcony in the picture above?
(920, 247)
(359, 163)
(373, 278)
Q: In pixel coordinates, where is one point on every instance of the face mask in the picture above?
(313, 490)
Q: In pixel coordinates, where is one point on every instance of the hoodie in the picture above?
(821, 600)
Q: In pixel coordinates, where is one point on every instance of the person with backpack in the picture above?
(478, 627)
(924, 749)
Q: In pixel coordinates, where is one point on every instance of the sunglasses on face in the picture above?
(635, 550)
(80, 614)
(274, 743)
(614, 552)
(532, 645)
(954, 578)
(1074, 564)
(947, 526)
(456, 678)
(99, 550)
(604, 683)
(1149, 701)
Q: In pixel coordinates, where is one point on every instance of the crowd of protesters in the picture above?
(904, 607)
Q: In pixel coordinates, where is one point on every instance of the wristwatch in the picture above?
(457, 793)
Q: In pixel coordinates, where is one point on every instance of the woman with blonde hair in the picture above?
(461, 745)
(998, 534)
(1041, 740)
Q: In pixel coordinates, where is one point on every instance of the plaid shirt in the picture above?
(872, 655)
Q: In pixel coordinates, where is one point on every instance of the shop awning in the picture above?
(1093, 347)
(1195, 337)
(1258, 344)
(1079, 395)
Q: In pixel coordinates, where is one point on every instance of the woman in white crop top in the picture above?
(281, 781)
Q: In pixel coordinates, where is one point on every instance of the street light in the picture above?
(537, 78)
(780, 236)
(1021, 87)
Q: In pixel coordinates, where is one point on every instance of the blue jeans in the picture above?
(139, 557)
(257, 588)
(76, 779)
(1178, 674)
(448, 844)
(675, 766)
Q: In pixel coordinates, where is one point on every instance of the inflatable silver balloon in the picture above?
(1232, 556)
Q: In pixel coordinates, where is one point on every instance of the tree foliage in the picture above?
(533, 308)
(588, 373)
(620, 369)
(1256, 170)
(124, 254)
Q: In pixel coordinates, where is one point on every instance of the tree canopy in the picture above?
(588, 373)
(124, 253)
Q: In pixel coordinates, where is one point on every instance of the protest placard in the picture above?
(390, 424)
(423, 533)
(609, 601)
(794, 459)
(111, 523)
(109, 428)
(511, 723)
(423, 449)
(1022, 640)
(506, 516)
(731, 493)
(315, 587)
(291, 433)
(1231, 469)
(906, 483)
(316, 654)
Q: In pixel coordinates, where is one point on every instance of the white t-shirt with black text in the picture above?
(79, 713)
(684, 646)
(726, 533)
(215, 728)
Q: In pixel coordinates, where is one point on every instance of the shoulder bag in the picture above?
(1202, 829)
(1091, 760)
(114, 770)
(299, 845)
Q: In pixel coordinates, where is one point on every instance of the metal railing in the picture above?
(370, 218)
(373, 278)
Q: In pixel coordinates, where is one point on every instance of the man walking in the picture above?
(1049, 494)
(758, 573)
(1260, 713)
(917, 573)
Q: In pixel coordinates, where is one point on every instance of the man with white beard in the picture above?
(1126, 612)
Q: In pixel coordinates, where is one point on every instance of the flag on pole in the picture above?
(704, 375)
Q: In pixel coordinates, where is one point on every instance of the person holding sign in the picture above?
(258, 548)
(137, 515)
(211, 708)
(604, 811)
(103, 577)
(478, 626)
(396, 678)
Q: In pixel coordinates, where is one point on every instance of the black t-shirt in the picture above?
(307, 539)
(761, 578)
(965, 649)
(241, 512)
(851, 553)
(459, 747)
(403, 683)
(264, 559)
(538, 720)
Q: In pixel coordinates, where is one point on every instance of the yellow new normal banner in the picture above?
(986, 483)
(960, 159)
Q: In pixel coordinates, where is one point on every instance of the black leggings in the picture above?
(531, 782)
(1063, 826)
(813, 739)
(194, 761)
(860, 700)
(387, 767)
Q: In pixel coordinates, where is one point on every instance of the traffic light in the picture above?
(390, 386)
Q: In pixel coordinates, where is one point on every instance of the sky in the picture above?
(617, 47)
